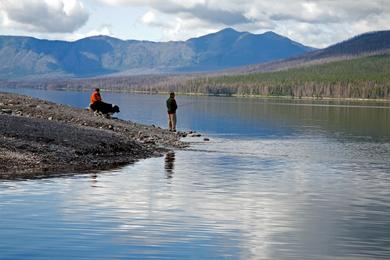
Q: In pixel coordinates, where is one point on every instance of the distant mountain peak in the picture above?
(231, 31)
(228, 30)
(273, 34)
(101, 37)
(224, 32)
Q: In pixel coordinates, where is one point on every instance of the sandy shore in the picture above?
(40, 138)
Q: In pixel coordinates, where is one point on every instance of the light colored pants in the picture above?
(172, 121)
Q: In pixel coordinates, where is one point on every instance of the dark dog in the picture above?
(104, 108)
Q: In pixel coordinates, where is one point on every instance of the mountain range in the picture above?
(27, 57)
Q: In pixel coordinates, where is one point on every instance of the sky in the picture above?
(317, 23)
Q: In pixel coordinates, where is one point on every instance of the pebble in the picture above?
(150, 141)
(6, 111)
(182, 134)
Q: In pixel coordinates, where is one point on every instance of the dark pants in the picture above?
(172, 121)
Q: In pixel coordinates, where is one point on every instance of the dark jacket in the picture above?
(171, 105)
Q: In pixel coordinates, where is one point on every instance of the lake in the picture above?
(279, 179)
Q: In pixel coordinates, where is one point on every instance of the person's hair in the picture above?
(97, 89)
(172, 94)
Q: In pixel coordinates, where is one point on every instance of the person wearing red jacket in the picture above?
(97, 105)
(95, 97)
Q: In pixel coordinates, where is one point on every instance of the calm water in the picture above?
(280, 179)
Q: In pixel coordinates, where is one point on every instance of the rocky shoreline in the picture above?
(40, 138)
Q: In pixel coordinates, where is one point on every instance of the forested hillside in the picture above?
(372, 43)
(367, 77)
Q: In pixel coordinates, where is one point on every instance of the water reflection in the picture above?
(281, 180)
(94, 180)
(169, 164)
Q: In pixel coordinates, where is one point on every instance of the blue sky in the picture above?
(316, 23)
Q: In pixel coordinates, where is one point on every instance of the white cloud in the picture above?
(330, 20)
(148, 18)
(176, 28)
(49, 16)
(316, 23)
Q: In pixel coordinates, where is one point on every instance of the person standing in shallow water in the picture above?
(172, 107)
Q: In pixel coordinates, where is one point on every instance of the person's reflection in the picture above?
(94, 180)
(169, 164)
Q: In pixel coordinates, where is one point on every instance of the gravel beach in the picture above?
(40, 139)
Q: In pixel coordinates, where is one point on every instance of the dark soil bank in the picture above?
(40, 138)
